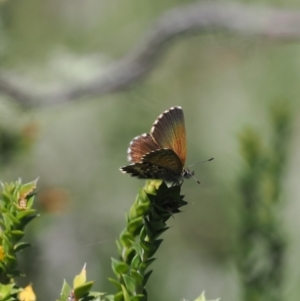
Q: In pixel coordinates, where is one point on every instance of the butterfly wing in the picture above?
(168, 131)
(164, 158)
(159, 164)
(138, 170)
(140, 146)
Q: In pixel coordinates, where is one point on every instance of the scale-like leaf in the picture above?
(20, 246)
(119, 267)
(65, 291)
(130, 284)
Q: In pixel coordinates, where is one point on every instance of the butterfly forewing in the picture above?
(168, 131)
(140, 146)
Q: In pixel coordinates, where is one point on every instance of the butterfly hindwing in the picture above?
(144, 170)
(159, 164)
(164, 158)
(168, 131)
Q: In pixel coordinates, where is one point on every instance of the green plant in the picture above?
(139, 241)
(15, 213)
(137, 244)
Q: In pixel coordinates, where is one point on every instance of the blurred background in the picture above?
(223, 82)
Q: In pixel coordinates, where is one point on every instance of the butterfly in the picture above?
(161, 154)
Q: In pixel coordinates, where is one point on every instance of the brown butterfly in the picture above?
(162, 153)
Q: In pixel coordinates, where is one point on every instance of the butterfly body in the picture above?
(160, 154)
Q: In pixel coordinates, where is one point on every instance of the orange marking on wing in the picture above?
(140, 146)
(168, 131)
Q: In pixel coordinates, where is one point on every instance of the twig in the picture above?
(238, 19)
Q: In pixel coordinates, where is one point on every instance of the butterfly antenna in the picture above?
(201, 162)
(196, 179)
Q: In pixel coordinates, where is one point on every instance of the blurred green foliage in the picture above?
(262, 240)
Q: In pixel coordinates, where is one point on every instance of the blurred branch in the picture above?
(238, 19)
